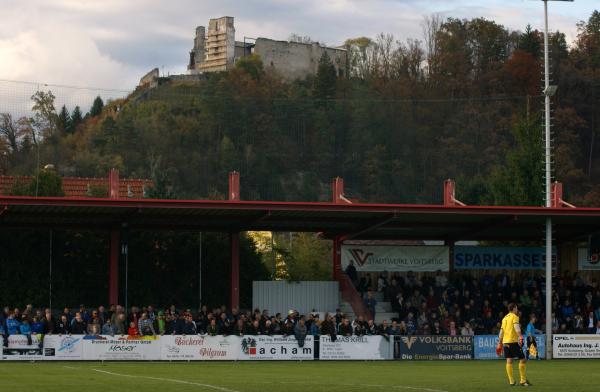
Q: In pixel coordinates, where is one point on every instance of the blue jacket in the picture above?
(25, 329)
(37, 327)
(12, 326)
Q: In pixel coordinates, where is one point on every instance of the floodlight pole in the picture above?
(548, 172)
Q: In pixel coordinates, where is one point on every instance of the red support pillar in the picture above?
(234, 195)
(113, 267)
(114, 244)
(337, 258)
(113, 184)
(338, 190)
(449, 192)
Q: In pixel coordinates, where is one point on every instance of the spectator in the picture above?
(371, 303)
(63, 327)
(49, 323)
(25, 328)
(345, 329)
(146, 325)
(371, 328)
(352, 274)
(37, 326)
(78, 325)
(452, 330)
(132, 330)
(328, 327)
(107, 328)
(300, 332)
(289, 323)
(12, 324)
(466, 330)
(189, 327)
(213, 329)
(597, 331)
(591, 322)
(161, 323)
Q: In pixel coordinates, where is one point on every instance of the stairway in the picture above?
(383, 309)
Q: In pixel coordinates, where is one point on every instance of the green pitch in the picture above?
(487, 376)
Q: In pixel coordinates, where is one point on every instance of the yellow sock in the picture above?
(509, 373)
(522, 371)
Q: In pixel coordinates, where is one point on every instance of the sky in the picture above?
(112, 43)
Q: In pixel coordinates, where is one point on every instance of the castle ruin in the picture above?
(217, 50)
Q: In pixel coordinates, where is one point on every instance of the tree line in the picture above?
(462, 102)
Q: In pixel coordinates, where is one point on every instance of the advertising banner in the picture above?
(586, 261)
(485, 346)
(396, 258)
(576, 346)
(275, 348)
(21, 347)
(510, 258)
(199, 348)
(110, 348)
(354, 348)
(434, 347)
(63, 347)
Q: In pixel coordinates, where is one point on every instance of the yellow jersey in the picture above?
(510, 335)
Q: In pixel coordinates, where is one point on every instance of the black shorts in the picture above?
(513, 350)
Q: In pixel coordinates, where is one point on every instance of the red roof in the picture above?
(354, 221)
(81, 187)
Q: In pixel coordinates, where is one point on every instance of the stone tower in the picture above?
(220, 45)
(197, 54)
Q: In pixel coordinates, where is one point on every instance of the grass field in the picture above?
(488, 376)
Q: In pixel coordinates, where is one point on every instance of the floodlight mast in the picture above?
(548, 92)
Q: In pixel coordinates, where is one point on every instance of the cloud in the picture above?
(111, 43)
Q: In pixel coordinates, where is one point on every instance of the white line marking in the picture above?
(167, 379)
(70, 367)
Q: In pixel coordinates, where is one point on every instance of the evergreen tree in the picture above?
(324, 84)
(76, 119)
(520, 180)
(97, 106)
(64, 120)
(530, 42)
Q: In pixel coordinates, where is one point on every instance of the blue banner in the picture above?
(484, 346)
(480, 257)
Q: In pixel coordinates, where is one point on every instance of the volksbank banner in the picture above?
(576, 346)
(517, 258)
(354, 348)
(278, 348)
(396, 258)
(484, 346)
(434, 347)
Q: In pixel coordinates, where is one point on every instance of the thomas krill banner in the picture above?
(396, 258)
(434, 347)
(481, 257)
(485, 346)
(576, 346)
(354, 347)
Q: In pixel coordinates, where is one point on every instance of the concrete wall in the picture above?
(281, 296)
(150, 79)
(293, 60)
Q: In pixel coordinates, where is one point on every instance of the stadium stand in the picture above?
(431, 304)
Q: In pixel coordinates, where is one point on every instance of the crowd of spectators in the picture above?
(424, 304)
